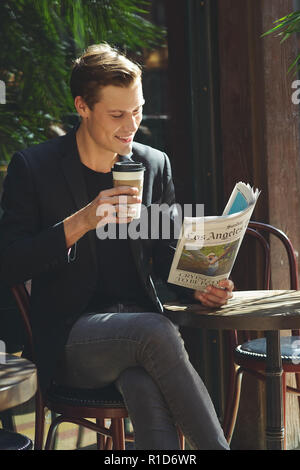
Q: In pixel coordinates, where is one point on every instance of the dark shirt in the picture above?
(118, 280)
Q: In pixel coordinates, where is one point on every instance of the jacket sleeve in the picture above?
(26, 250)
(164, 248)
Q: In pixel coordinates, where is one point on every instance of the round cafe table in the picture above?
(270, 311)
(18, 380)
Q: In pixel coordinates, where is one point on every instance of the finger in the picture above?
(217, 301)
(124, 220)
(118, 190)
(207, 302)
(203, 295)
(226, 284)
(216, 293)
(197, 295)
(217, 296)
(125, 210)
(104, 212)
(120, 200)
(108, 219)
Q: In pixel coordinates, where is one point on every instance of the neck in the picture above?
(91, 156)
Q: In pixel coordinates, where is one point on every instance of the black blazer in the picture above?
(44, 185)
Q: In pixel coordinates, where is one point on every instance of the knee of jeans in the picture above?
(160, 331)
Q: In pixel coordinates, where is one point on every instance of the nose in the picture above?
(132, 123)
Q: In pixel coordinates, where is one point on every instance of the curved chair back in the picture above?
(255, 229)
(261, 232)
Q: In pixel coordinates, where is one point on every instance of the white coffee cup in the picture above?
(130, 174)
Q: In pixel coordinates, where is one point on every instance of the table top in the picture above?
(18, 380)
(247, 310)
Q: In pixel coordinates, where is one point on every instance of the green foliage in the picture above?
(285, 27)
(39, 39)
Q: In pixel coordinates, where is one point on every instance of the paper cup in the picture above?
(130, 174)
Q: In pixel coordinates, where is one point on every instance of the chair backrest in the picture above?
(261, 232)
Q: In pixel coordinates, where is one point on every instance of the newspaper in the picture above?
(207, 247)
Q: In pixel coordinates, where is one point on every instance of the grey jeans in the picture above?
(144, 354)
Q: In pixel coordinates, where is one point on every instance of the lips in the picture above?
(124, 139)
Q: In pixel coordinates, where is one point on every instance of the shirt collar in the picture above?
(124, 158)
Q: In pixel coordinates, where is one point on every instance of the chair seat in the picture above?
(106, 397)
(256, 349)
(14, 441)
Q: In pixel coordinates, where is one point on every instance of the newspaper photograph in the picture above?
(208, 246)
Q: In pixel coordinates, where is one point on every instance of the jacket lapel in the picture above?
(71, 168)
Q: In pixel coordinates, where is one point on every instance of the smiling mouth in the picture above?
(125, 140)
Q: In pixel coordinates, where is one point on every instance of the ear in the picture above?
(81, 107)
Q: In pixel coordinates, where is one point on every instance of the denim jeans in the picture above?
(144, 354)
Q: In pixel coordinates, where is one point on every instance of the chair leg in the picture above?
(79, 437)
(297, 376)
(39, 422)
(118, 434)
(230, 397)
(101, 440)
(284, 393)
(109, 444)
(234, 406)
(231, 380)
(181, 438)
(52, 432)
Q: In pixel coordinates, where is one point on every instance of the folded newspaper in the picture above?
(207, 247)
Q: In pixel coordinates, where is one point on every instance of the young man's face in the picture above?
(115, 119)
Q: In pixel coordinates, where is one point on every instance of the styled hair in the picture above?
(101, 65)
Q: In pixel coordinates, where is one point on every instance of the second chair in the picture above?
(250, 356)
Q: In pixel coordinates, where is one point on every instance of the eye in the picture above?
(138, 110)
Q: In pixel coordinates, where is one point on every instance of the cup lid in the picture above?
(128, 166)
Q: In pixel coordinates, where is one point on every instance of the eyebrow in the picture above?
(122, 111)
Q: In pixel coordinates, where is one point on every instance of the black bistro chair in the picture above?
(75, 405)
(250, 355)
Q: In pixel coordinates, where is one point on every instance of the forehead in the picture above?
(122, 98)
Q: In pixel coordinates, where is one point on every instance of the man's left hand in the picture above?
(215, 296)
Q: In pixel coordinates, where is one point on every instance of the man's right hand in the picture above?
(107, 207)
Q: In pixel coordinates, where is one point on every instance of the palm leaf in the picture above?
(39, 39)
(286, 27)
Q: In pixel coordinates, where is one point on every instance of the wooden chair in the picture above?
(75, 405)
(250, 356)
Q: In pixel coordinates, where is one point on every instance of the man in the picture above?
(52, 195)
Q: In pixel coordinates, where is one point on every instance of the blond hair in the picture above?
(101, 65)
